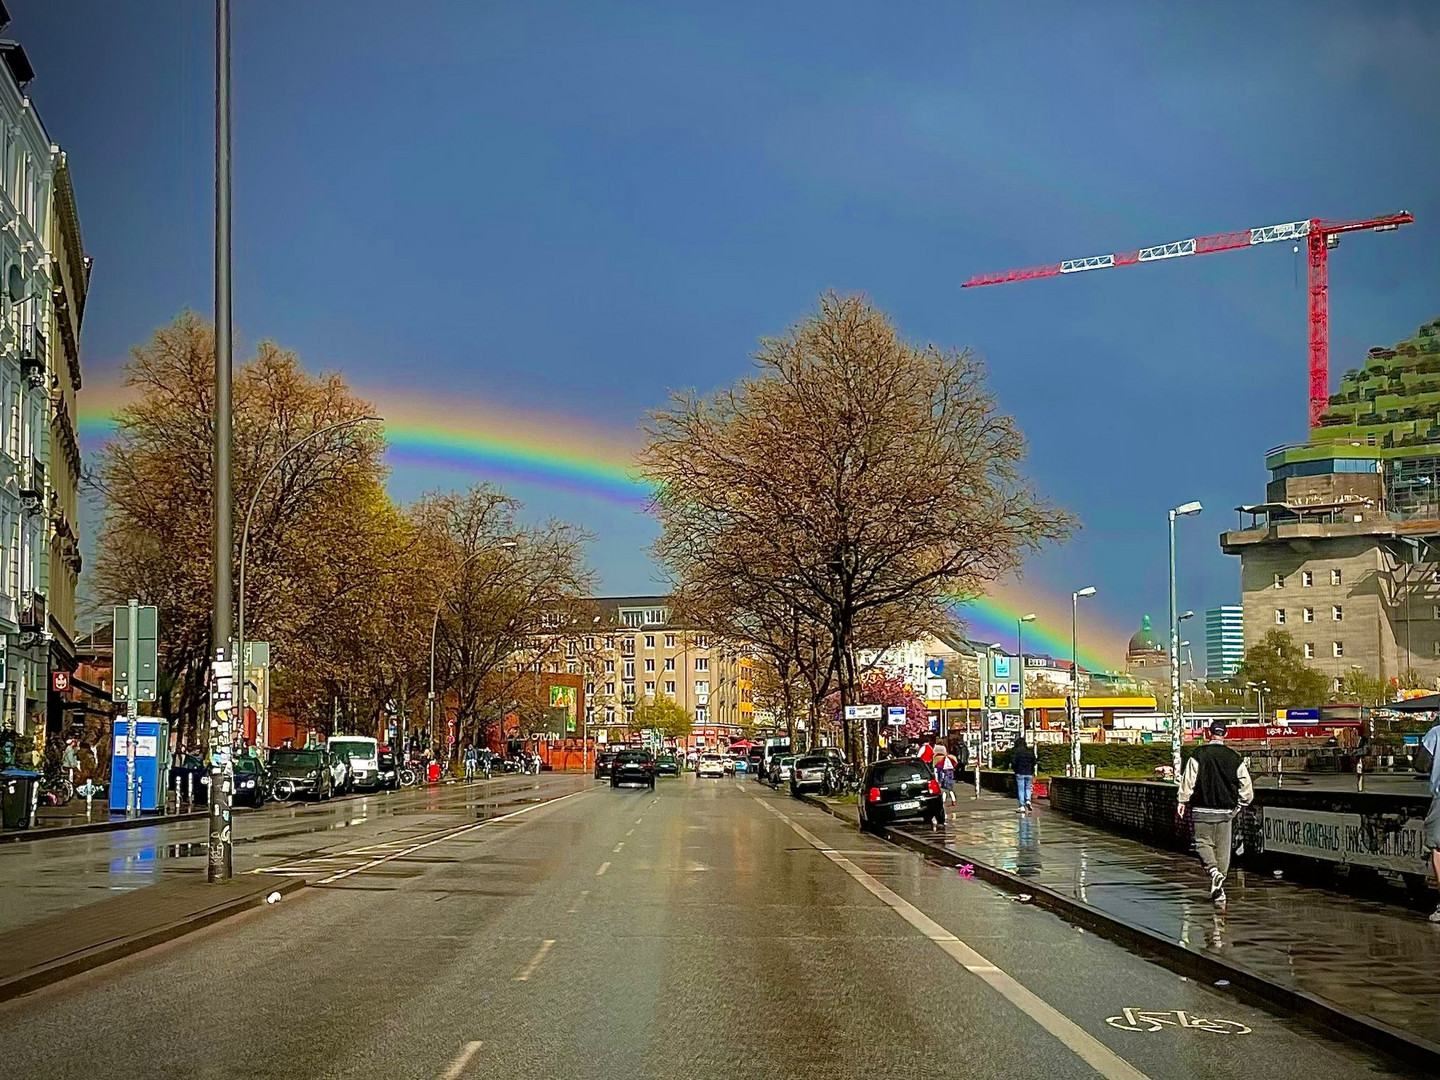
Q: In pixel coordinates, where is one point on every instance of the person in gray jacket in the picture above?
(1215, 785)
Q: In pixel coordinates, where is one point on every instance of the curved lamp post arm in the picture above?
(245, 538)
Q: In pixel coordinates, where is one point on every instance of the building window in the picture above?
(589, 689)
(702, 663)
(649, 663)
(1337, 648)
(629, 669)
(629, 715)
(1337, 613)
(572, 668)
(627, 647)
(1309, 650)
(609, 714)
(1307, 614)
(669, 663)
(610, 642)
(670, 683)
(669, 641)
(702, 687)
(610, 668)
(1306, 579)
(649, 641)
(1334, 577)
(656, 616)
(700, 715)
(650, 688)
(572, 649)
(702, 641)
(1279, 581)
(610, 688)
(589, 644)
(632, 618)
(1279, 616)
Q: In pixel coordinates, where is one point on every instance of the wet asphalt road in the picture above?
(711, 929)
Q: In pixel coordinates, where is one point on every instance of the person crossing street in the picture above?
(1215, 785)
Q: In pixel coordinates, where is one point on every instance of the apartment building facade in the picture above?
(637, 653)
(43, 278)
(1224, 640)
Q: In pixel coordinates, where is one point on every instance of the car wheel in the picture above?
(940, 816)
(614, 782)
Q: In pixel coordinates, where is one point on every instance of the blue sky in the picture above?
(574, 207)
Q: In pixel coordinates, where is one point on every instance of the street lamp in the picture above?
(1183, 510)
(505, 545)
(1020, 659)
(245, 547)
(982, 660)
(1089, 590)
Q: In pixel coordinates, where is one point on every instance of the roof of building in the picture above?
(13, 53)
(1144, 640)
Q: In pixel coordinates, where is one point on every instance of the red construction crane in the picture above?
(1320, 236)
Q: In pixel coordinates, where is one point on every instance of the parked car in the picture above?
(194, 777)
(754, 762)
(710, 765)
(303, 772)
(808, 773)
(252, 783)
(900, 789)
(633, 767)
(603, 760)
(389, 768)
(667, 765)
(361, 755)
(780, 769)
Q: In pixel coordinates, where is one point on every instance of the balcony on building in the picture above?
(32, 613)
(33, 355)
(32, 484)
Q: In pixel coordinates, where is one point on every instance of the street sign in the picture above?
(143, 639)
(935, 689)
(862, 712)
(1002, 701)
(895, 715)
(1002, 669)
(1014, 688)
(1302, 716)
(59, 681)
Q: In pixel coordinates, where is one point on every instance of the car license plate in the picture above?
(908, 804)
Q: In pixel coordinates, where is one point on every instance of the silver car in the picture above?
(780, 770)
(808, 773)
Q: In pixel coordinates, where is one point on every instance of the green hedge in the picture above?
(1053, 757)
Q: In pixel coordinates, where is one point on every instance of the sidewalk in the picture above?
(1367, 959)
(68, 943)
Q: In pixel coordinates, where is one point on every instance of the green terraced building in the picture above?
(1344, 552)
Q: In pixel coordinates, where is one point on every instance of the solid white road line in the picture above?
(458, 1065)
(1084, 1045)
(603, 867)
(529, 969)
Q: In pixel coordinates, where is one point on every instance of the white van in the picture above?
(362, 754)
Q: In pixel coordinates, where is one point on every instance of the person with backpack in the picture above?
(1022, 762)
(1427, 760)
(945, 769)
(1215, 785)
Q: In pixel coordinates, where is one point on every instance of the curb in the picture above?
(1411, 1050)
(55, 971)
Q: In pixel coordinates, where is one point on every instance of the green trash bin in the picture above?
(19, 796)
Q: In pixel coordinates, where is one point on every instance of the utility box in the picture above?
(152, 762)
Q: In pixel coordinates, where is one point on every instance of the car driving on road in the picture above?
(633, 767)
(710, 765)
(362, 757)
(900, 789)
(603, 760)
(667, 765)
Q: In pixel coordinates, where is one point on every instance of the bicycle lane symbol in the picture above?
(1150, 1020)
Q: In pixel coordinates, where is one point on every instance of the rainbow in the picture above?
(566, 454)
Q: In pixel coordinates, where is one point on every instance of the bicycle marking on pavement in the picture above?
(603, 867)
(1070, 1034)
(616, 849)
(535, 961)
(1156, 1020)
(458, 1065)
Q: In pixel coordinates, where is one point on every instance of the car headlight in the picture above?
(313, 774)
(247, 783)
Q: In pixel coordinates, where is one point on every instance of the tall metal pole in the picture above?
(1176, 735)
(982, 662)
(218, 862)
(1074, 686)
(132, 708)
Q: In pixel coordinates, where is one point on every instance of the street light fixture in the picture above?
(245, 547)
(504, 545)
(1089, 590)
(1176, 734)
(1020, 660)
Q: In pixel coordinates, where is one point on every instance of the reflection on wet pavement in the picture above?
(56, 874)
(1365, 955)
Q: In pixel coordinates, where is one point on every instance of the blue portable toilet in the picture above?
(152, 762)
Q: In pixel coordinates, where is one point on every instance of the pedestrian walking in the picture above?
(1215, 785)
(945, 773)
(70, 760)
(1022, 762)
(927, 752)
(1430, 747)
(472, 759)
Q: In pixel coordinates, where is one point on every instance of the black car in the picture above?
(603, 760)
(667, 765)
(302, 772)
(633, 767)
(389, 770)
(252, 783)
(898, 789)
(194, 777)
